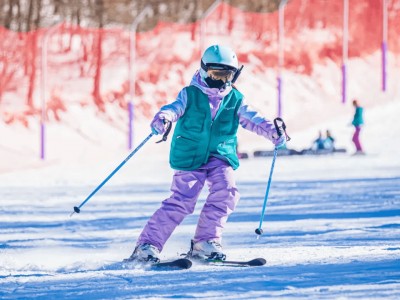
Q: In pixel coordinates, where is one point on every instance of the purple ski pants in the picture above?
(356, 138)
(186, 187)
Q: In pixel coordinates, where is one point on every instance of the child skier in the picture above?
(203, 149)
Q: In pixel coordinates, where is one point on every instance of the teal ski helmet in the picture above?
(219, 62)
(219, 58)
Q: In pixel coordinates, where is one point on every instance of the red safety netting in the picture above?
(91, 66)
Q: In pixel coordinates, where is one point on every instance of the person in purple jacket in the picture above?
(203, 149)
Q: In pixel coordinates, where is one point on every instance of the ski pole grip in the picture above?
(280, 127)
(237, 73)
(167, 131)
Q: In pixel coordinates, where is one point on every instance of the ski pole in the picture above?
(259, 231)
(77, 209)
(280, 130)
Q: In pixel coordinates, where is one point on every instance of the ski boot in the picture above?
(207, 250)
(144, 253)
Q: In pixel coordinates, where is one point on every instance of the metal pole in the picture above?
(203, 25)
(281, 36)
(132, 71)
(43, 85)
(345, 48)
(384, 44)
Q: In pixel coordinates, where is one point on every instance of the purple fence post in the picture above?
(43, 86)
(385, 25)
(281, 53)
(42, 140)
(130, 126)
(345, 48)
(384, 49)
(344, 83)
(279, 96)
(132, 69)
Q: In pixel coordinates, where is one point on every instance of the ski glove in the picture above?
(158, 123)
(280, 141)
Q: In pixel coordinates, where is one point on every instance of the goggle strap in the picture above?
(203, 66)
(215, 66)
(237, 73)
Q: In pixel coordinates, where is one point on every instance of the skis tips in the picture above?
(257, 262)
(184, 263)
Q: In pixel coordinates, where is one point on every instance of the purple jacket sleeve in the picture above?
(251, 120)
(173, 111)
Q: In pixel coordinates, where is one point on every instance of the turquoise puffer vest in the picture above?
(358, 117)
(197, 137)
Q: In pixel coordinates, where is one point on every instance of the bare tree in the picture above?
(23, 15)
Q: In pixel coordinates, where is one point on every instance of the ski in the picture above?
(181, 263)
(250, 263)
(185, 263)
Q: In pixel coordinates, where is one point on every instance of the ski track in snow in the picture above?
(323, 239)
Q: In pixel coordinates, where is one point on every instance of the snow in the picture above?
(331, 230)
(325, 238)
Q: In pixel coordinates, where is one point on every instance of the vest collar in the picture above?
(198, 82)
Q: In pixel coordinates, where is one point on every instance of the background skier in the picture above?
(357, 122)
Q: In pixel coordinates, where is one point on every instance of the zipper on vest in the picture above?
(183, 137)
(209, 141)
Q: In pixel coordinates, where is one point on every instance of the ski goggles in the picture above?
(224, 75)
(219, 71)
